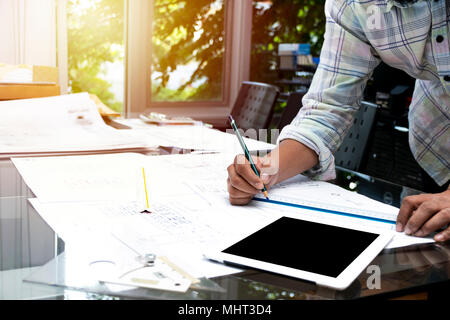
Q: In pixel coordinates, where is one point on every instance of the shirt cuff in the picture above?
(325, 169)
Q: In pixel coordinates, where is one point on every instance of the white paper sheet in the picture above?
(119, 176)
(67, 123)
(195, 137)
(177, 234)
(209, 183)
(188, 193)
(83, 178)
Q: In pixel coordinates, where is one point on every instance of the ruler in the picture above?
(365, 214)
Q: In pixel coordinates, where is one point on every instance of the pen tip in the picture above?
(266, 195)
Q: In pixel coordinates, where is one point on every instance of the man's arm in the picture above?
(346, 63)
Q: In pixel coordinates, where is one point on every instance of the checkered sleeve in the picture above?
(346, 63)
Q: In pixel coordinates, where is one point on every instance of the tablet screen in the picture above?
(304, 245)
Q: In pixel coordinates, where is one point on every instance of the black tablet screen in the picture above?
(304, 245)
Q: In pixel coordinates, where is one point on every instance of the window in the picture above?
(275, 22)
(188, 46)
(172, 56)
(95, 34)
(212, 36)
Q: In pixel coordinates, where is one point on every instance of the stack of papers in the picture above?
(197, 137)
(63, 125)
(97, 196)
(189, 209)
(15, 74)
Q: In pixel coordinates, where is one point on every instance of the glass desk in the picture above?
(27, 242)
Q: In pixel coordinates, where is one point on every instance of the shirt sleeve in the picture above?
(347, 61)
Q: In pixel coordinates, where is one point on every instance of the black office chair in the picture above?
(294, 104)
(352, 150)
(254, 105)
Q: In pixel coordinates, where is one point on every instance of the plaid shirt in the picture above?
(359, 34)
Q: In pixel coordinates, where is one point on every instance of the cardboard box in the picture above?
(45, 74)
(44, 83)
(27, 91)
(27, 82)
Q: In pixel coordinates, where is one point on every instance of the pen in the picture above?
(246, 152)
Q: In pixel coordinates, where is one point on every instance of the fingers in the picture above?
(409, 204)
(436, 222)
(423, 213)
(240, 183)
(406, 210)
(243, 183)
(240, 201)
(240, 190)
(238, 197)
(243, 169)
(443, 236)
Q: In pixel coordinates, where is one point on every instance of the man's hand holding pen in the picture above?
(242, 181)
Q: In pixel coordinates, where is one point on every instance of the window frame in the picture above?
(139, 13)
(62, 45)
(137, 67)
(225, 78)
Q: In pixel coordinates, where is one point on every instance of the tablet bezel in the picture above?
(341, 282)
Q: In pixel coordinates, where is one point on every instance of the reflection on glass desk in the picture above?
(27, 242)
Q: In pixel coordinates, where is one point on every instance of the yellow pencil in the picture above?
(145, 186)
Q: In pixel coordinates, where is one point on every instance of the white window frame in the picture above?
(62, 45)
(138, 69)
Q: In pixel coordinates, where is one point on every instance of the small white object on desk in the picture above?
(161, 119)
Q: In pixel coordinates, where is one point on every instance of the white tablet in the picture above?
(327, 255)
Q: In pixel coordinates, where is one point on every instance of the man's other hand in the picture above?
(423, 214)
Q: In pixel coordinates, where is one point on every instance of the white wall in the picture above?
(28, 32)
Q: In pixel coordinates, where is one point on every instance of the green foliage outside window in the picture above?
(188, 32)
(284, 21)
(95, 34)
(184, 32)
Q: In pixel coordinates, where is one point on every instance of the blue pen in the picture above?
(246, 152)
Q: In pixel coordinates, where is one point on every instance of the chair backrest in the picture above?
(352, 150)
(294, 104)
(254, 105)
